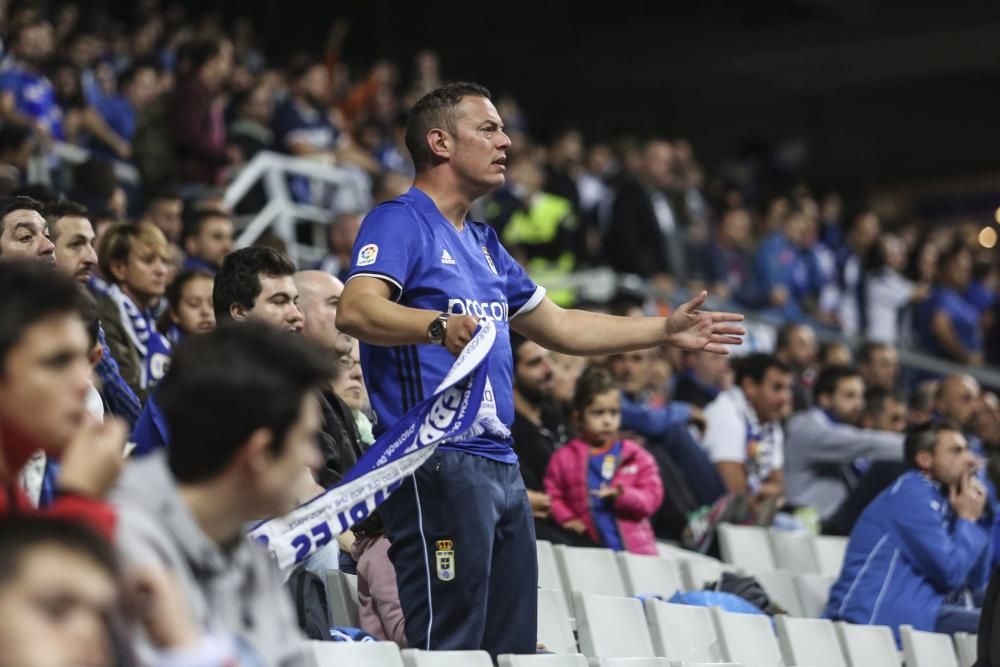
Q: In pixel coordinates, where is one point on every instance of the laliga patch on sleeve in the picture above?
(367, 255)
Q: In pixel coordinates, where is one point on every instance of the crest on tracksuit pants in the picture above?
(444, 556)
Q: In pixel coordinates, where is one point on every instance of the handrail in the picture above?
(125, 172)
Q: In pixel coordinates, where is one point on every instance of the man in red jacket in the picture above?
(44, 373)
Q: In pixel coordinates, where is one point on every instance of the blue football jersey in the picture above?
(429, 264)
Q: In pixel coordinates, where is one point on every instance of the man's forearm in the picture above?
(379, 321)
(584, 333)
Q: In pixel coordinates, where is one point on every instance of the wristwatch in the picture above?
(437, 329)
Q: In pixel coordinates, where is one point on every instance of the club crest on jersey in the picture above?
(367, 255)
(489, 260)
(444, 556)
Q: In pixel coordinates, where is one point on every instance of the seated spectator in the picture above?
(241, 412)
(63, 595)
(26, 94)
(796, 348)
(599, 484)
(834, 353)
(81, 121)
(729, 259)
(96, 187)
(788, 283)
(164, 209)
(826, 453)
(538, 431)
(136, 90)
(340, 236)
(378, 596)
(196, 110)
(16, 145)
(878, 365)
(885, 292)
(189, 306)
(73, 235)
(251, 131)
(957, 400)
(884, 410)
(947, 325)
(704, 375)
(349, 386)
(919, 545)
(23, 231)
(43, 389)
(257, 283)
(207, 240)
(744, 437)
(135, 259)
(340, 440)
(860, 233)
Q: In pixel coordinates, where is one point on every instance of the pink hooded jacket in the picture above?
(378, 597)
(638, 476)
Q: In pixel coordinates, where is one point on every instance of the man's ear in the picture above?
(256, 454)
(440, 143)
(238, 312)
(924, 460)
(95, 356)
(190, 246)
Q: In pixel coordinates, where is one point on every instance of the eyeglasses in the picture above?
(347, 362)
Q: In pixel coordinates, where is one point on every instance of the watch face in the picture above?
(436, 331)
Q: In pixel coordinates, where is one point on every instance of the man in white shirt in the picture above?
(744, 437)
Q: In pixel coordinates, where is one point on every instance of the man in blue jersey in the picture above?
(463, 542)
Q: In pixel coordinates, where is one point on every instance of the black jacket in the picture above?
(338, 440)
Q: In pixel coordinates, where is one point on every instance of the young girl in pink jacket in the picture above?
(598, 483)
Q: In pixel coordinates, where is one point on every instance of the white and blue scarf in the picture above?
(140, 327)
(461, 407)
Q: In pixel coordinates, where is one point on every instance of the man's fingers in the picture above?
(694, 303)
(726, 340)
(729, 329)
(716, 348)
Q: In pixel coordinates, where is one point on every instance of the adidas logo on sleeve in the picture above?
(446, 258)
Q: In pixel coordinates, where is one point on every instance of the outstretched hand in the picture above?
(691, 329)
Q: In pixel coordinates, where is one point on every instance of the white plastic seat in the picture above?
(867, 645)
(814, 589)
(809, 641)
(780, 587)
(793, 551)
(342, 590)
(696, 572)
(747, 638)
(631, 662)
(416, 658)
(612, 627)
(830, 551)
(372, 654)
(542, 660)
(590, 570)
(748, 547)
(966, 646)
(548, 570)
(927, 649)
(555, 630)
(650, 574)
(682, 632)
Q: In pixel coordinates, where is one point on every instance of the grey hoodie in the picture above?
(236, 591)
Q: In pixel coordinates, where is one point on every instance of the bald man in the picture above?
(340, 442)
(957, 399)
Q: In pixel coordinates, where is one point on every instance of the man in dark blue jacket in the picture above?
(919, 551)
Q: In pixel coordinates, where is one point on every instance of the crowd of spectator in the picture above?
(122, 338)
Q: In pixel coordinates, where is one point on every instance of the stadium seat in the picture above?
(696, 572)
(612, 627)
(590, 570)
(780, 587)
(416, 658)
(830, 551)
(927, 649)
(793, 551)
(548, 570)
(542, 660)
(650, 574)
(631, 662)
(867, 645)
(809, 641)
(814, 589)
(747, 638)
(746, 546)
(372, 654)
(343, 592)
(682, 632)
(555, 629)
(967, 648)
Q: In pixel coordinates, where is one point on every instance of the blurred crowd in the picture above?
(803, 435)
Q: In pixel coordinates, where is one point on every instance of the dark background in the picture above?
(860, 96)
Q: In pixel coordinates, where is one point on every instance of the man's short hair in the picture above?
(224, 385)
(436, 109)
(30, 292)
(877, 399)
(20, 535)
(193, 225)
(118, 242)
(19, 203)
(785, 335)
(63, 209)
(867, 351)
(826, 383)
(755, 366)
(238, 281)
(924, 438)
(166, 193)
